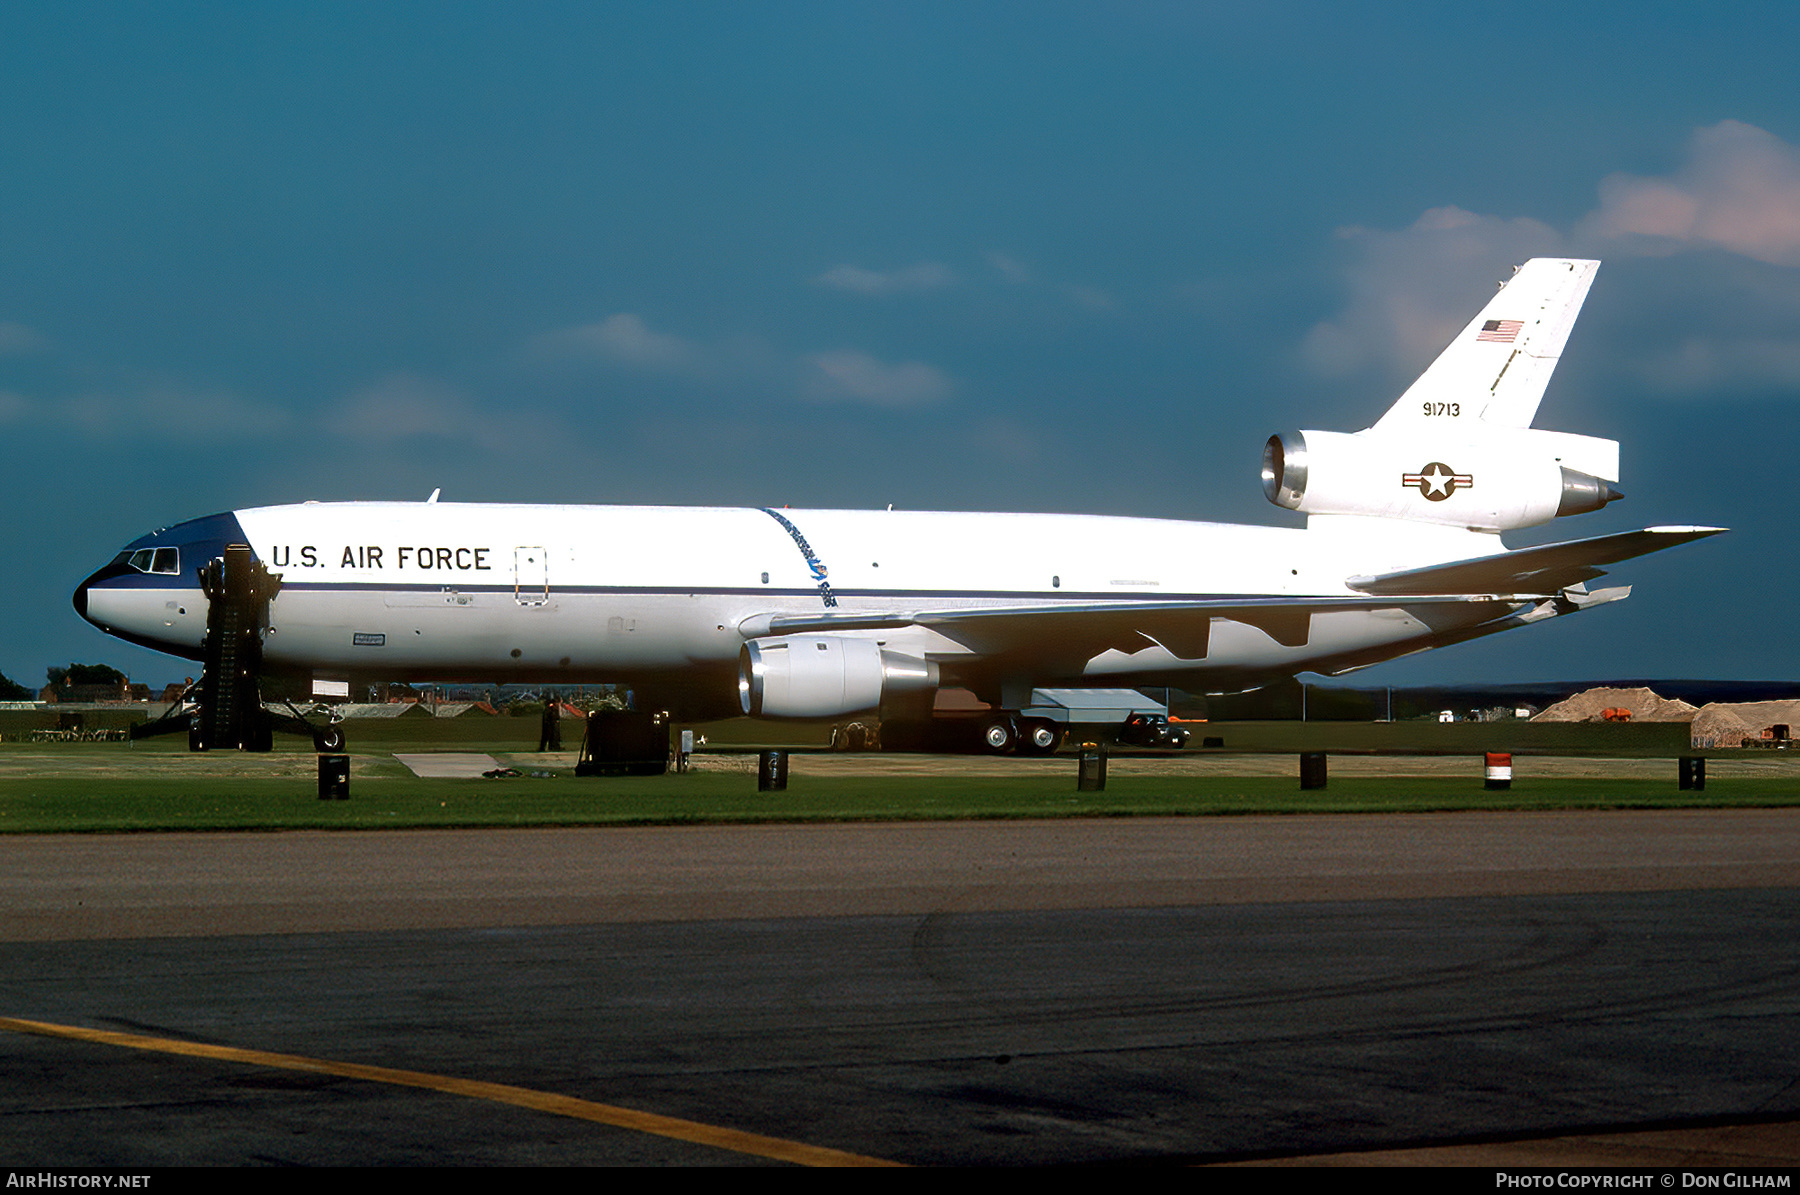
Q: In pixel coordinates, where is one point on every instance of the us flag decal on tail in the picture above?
(1500, 331)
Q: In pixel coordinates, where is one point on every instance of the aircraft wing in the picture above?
(1074, 631)
(1081, 630)
(1085, 629)
(1540, 570)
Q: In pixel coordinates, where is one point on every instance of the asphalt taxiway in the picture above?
(1198, 989)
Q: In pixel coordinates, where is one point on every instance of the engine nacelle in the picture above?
(1509, 478)
(823, 676)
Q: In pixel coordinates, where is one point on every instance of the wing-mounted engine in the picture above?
(1505, 479)
(824, 676)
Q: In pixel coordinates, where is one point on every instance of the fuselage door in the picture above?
(531, 576)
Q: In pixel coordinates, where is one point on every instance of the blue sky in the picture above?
(1012, 256)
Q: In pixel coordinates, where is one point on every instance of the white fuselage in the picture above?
(598, 593)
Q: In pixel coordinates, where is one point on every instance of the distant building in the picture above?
(121, 693)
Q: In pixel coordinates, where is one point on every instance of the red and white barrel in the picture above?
(1499, 769)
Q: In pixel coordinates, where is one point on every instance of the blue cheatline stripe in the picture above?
(813, 562)
(1054, 597)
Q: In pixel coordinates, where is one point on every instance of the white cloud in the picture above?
(1409, 290)
(746, 367)
(162, 413)
(1007, 439)
(1090, 297)
(933, 275)
(1010, 268)
(1016, 273)
(624, 339)
(219, 413)
(1700, 366)
(926, 275)
(1719, 325)
(17, 338)
(855, 376)
(1739, 190)
(400, 406)
(406, 406)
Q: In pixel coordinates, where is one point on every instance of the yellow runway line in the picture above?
(521, 1097)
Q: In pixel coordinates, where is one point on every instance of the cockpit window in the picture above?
(156, 560)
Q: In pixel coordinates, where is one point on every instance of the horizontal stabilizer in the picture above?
(1540, 570)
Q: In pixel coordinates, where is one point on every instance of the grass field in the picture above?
(108, 787)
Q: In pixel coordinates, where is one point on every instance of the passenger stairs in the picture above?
(224, 709)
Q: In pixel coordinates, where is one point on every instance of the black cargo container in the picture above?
(624, 743)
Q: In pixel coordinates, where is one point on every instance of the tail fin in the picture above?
(1458, 449)
(1496, 369)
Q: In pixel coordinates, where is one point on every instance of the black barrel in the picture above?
(334, 777)
(771, 771)
(1092, 776)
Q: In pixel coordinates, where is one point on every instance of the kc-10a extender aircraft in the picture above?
(780, 613)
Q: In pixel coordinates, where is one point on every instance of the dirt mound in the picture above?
(1728, 724)
(1644, 704)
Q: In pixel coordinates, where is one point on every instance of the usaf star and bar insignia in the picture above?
(1437, 481)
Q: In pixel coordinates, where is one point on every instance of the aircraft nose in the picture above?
(97, 580)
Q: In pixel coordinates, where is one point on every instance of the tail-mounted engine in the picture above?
(1508, 478)
(823, 676)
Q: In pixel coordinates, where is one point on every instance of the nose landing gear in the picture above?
(224, 708)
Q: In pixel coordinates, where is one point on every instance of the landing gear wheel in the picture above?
(330, 740)
(999, 735)
(1040, 736)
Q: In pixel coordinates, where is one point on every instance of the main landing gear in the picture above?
(1004, 732)
(224, 708)
(997, 732)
